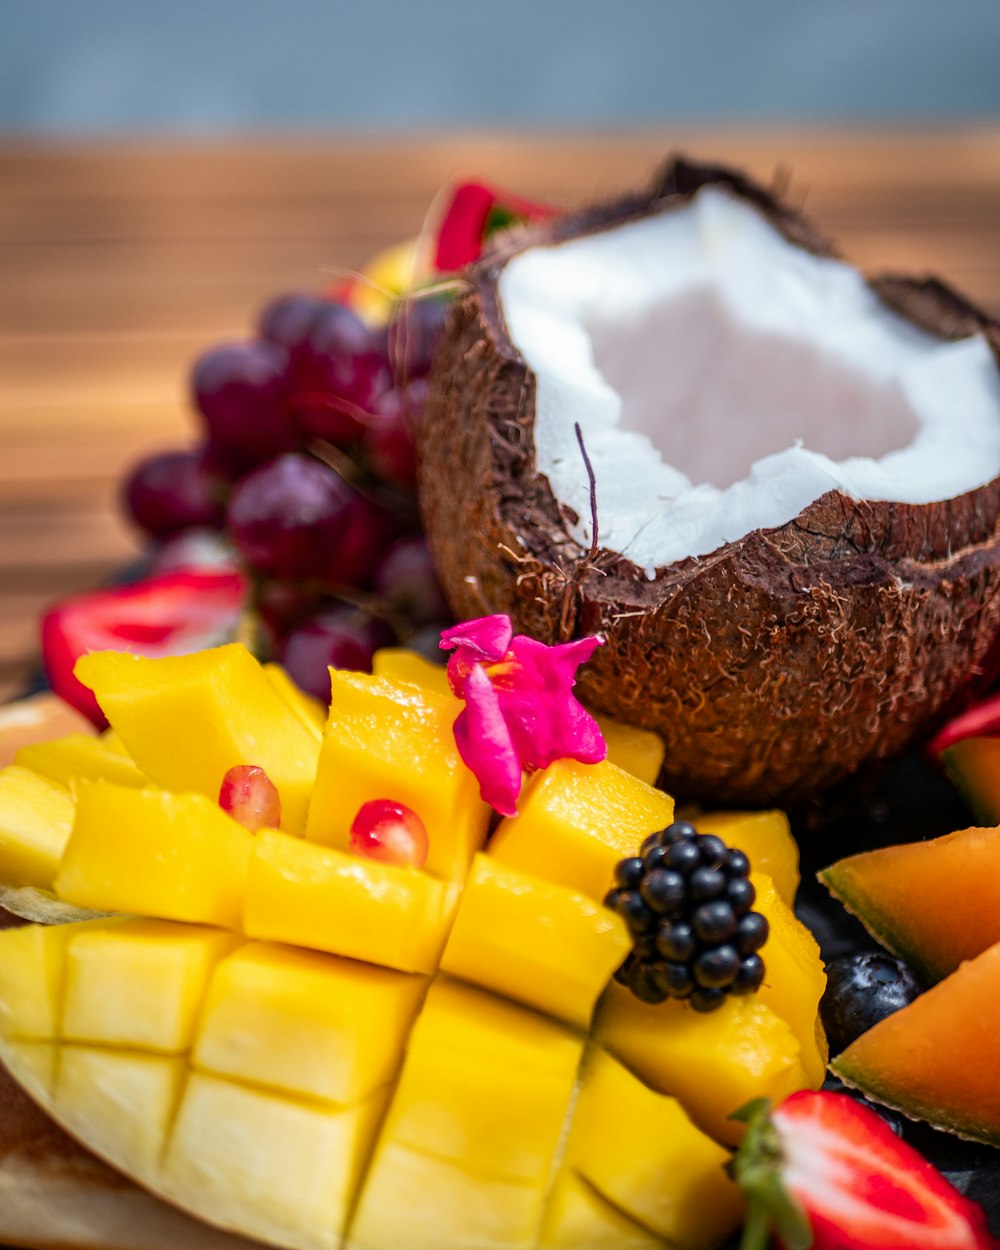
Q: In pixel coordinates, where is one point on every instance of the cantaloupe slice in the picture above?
(936, 1060)
(974, 766)
(933, 903)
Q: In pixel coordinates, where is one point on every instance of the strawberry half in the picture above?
(171, 614)
(825, 1172)
(982, 720)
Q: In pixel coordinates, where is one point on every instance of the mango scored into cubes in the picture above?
(172, 856)
(186, 720)
(577, 821)
(533, 941)
(309, 895)
(387, 739)
(36, 815)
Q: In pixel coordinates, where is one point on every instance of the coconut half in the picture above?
(796, 479)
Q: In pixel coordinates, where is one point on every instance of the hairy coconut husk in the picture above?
(778, 663)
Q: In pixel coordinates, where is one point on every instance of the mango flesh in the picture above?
(765, 837)
(305, 1086)
(36, 815)
(80, 757)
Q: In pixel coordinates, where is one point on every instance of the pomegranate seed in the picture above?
(390, 832)
(250, 796)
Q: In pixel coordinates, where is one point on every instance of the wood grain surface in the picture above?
(120, 262)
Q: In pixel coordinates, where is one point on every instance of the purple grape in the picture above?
(338, 373)
(340, 637)
(389, 434)
(406, 580)
(241, 390)
(288, 319)
(295, 518)
(427, 640)
(282, 604)
(174, 491)
(413, 335)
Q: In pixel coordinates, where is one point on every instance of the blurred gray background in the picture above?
(86, 66)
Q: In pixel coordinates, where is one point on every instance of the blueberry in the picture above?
(861, 990)
(656, 858)
(654, 839)
(713, 922)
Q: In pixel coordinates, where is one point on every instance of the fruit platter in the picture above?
(539, 787)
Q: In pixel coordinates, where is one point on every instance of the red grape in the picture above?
(288, 319)
(389, 440)
(173, 491)
(340, 637)
(242, 392)
(295, 518)
(406, 581)
(338, 374)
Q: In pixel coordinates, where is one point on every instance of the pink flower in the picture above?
(520, 713)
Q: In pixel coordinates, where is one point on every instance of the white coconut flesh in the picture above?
(723, 379)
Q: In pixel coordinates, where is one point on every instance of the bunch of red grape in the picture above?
(306, 471)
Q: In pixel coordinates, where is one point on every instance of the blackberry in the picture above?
(686, 900)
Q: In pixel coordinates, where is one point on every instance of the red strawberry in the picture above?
(171, 614)
(825, 1172)
(472, 213)
(979, 721)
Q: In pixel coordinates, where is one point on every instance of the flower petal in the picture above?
(484, 640)
(485, 744)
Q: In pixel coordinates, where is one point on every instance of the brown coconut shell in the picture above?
(774, 666)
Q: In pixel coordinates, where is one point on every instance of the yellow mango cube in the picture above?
(485, 1085)
(669, 1177)
(122, 1102)
(387, 739)
(402, 664)
(312, 1024)
(33, 1065)
(414, 1201)
(713, 1062)
(310, 711)
(315, 896)
(139, 983)
(637, 751)
(32, 974)
(36, 815)
(794, 979)
(538, 943)
(276, 1168)
(576, 1216)
(80, 757)
(187, 719)
(577, 821)
(765, 838)
(170, 856)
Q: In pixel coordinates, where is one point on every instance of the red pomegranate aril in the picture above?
(250, 796)
(390, 832)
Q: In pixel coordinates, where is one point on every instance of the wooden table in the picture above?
(119, 262)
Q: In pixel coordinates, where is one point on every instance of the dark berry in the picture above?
(705, 998)
(645, 984)
(713, 922)
(628, 873)
(674, 979)
(717, 968)
(738, 864)
(740, 895)
(686, 900)
(751, 933)
(682, 856)
(749, 976)
(861, 990)
(704, 884)
(630, 906)
(713, 850)
(676, 941)
(663, 890)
